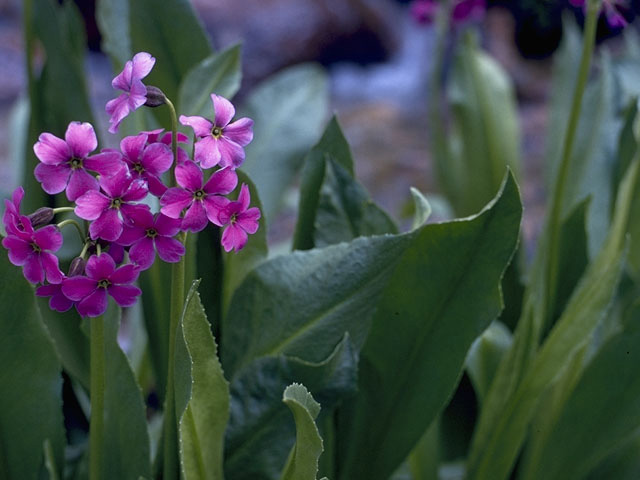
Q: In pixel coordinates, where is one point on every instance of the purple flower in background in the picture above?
(240, 220)
(424, 11)
(203, 201)
(33, 250)
(104, 208)
(147, 234)
(64, 163)
(102, 279)
(147, 162)
(612, 10)
(134, 92)
(14, 222)
(220, 142)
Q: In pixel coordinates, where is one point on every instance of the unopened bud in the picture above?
(40, 217)
(77, 267)
(155, 97)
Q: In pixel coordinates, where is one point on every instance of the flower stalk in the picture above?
(97, 384)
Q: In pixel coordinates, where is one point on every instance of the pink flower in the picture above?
(612, 10)
(147, 234)
(240, 219)
(64, 163)
(134, 92)
(220, 142)
(202, 201)
(155, 136)
(102, 279)
(424, 11)
(14, 222)
(33, 250)
(147, 162)
(120, 190)
(58, 301)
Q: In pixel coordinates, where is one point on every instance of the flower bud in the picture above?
(155, 97)
(41, 217)
(77, 267)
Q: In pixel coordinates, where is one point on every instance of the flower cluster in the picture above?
(424, 11)
(122, 235)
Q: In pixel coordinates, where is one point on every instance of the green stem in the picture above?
(63, 209)
(171, 470)
(553, 223)
(96, 429)
(174, 134)
(71, 221)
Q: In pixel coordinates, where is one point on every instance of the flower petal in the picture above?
(77, 288)
(129, 210)
(201, 126)
(142, 253)
(19, 249)
(249, 220)
(231, 154)
(48, 238)
(100, 267)
(189, 176)
(142, 62)
(54, 178)
(94, 305)
(130, 235)
(133, 146)
(91, 205)
(125, 274)
(124, 295)
(80, 182)
(169, 249)
(223, 181)
(233, 237)
(240, 131)
(207, 152)
(50, 265)
(51, 150)
(167, 226)
(105, 162)
(155, 185)
(122, 81)
(116, 184)
(107, 226)
(81, 138)
(174, 201)
(215, 205)
(196, 218)
(223, 109)
(32, 269)
(137, 191)
(118, 108)
(244, 198)
(157, 158)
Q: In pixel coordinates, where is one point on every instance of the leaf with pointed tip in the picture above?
(288, 110)
(423, 330)
(219, 73)
(422, 208)
(203, 406)
(31, 399)
(303, 460)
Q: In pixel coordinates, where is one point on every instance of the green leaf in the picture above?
(260, 435)
(172, 33)
(484, 357)
(623, 463)
(422, 330)
(72, 345)
(30, 381)
(334, 207)
(126, 439)
(501, 430)
(219, 73)
(114, 23)
(289, 110)
(302, 304)
(303, 460)
(238, 264)
(203, 414)
(485, 126)
(422, 208)
(424, 458)
(586, 431)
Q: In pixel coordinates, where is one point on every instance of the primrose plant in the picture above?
(121, 235)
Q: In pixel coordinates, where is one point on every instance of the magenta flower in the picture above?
(240, 221)
(155, 136)
(147, 162)
(202, 201)
(65, 162)
(102, 279)
(147, 234)
(14, 222)
(33, 250)
(120, 190)
(612, 10)
(58, 301)
(220, 142)
(424, 11)
(134, 92)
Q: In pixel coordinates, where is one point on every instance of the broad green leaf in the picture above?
(155, 284)
(18, 132)
(238, 264)
(600, 413)
(303, 460)
(424, 458)
(260, 434)
(173, 34)
(289, 110)
(114, 23)
(30, 382)
(444, 291)
(422, 208)
(126, 439)
(334, 207)
(203, 414)
(72, 345)
(302, 304)
(485, 125)
(219, 73)
(484, 357)
(501, 430)
(623, 463)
